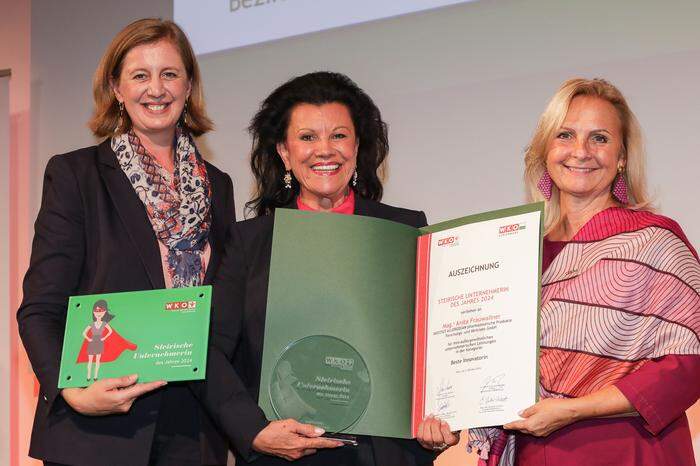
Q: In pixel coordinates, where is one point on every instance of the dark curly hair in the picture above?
(269, 127)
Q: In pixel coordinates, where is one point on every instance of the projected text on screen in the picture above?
(223, 24)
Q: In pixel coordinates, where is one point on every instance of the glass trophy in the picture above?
(321, 380)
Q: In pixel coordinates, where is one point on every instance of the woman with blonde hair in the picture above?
(141, 210)
(620, 315)
(631, 163)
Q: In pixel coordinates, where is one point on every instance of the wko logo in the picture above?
(449, 241)
(345, 364)
(181, 306)
(510, 229)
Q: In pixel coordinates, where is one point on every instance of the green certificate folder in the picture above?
(157, 334)
(345, 312)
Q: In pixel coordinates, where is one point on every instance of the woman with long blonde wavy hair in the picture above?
(620, 315)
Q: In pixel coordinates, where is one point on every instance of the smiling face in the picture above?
(99, 312)
(153, 86)
(321, 150)
(585, 153)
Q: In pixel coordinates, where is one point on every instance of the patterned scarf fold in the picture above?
(178, 205)
(625, 290)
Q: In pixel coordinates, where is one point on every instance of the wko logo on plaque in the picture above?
(345, 364)
(448, 241)
(181, 306)
(512, 229)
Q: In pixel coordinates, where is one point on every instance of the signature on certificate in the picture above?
(491, 402)
(444, 387)
(444, 394)
(492, 393)
(443, 405)
(493, 383)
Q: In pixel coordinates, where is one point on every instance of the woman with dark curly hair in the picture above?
(318, 144)
(269, 159)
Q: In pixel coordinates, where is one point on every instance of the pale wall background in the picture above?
(461, 88)
(15, 39)
(5, 356)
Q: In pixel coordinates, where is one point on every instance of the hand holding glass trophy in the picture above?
(403, 322)
(311, 386)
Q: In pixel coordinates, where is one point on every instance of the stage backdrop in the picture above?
(461, 87)
(5, 308)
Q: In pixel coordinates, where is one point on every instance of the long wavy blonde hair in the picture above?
(550, 122)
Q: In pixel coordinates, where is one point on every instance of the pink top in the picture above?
(660, 392)
(347, 207)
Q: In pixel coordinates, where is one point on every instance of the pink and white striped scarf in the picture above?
(625, 290)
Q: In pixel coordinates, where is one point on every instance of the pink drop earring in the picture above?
(619, 190)
(545, 185)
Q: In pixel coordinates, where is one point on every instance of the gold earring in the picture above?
(120, 120)
(184, 113)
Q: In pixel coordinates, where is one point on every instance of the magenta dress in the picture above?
(660, 391)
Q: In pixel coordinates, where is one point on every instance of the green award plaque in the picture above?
(157, 334)
(321, 380)
(368, 321)
(349, 305)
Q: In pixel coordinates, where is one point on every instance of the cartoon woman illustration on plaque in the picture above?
(102, 343)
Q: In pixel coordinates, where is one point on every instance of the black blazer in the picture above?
(92, 235)
(238, 327)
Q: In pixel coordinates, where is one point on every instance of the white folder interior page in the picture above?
(482, 321)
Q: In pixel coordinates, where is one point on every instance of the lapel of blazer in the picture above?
(132, 213)
(219, 224)
(366, 207)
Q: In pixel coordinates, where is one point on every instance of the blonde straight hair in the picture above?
(550, 122)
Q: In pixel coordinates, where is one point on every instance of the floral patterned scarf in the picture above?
(178, 205)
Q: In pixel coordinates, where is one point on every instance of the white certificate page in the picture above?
(481, 321)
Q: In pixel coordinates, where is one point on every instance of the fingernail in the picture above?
(520, 413)
(319, 431)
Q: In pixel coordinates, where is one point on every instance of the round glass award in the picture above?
(320, 380)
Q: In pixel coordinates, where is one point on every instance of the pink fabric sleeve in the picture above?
(662, 389)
